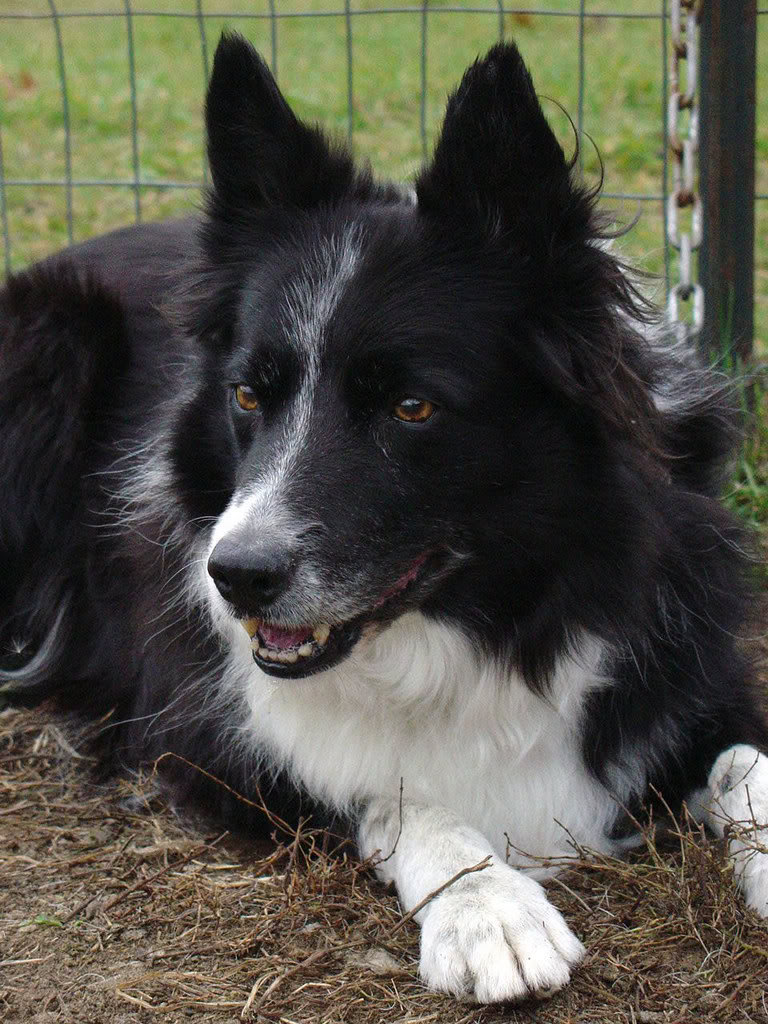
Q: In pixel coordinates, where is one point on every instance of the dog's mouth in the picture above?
(291, 653)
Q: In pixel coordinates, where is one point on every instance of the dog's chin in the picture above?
(298, 652)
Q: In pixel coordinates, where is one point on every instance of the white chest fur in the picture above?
(415, 704)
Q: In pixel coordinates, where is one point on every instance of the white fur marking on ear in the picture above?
(738, 790)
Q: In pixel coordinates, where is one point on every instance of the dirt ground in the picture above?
(115, 910)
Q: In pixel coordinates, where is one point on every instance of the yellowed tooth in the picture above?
(289, 657)
(305, 650)
(251, 626)
(321, 633)
(263, 652)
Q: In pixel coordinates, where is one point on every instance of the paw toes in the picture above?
(497, 974)
(564, 941)
(494, 959)
(755, 886)
(445, 970)
(541, 965)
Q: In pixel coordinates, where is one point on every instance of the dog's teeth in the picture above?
(321, 633)
(251, 626)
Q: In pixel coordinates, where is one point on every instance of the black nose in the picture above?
(251, 577)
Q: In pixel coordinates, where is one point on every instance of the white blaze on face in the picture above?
(310, 301)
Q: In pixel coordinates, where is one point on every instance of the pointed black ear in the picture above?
(498, 169)
(260, 153)
(497, 159)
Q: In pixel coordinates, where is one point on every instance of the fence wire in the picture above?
(499, 19)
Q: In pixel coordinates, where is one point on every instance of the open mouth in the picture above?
(294, 652)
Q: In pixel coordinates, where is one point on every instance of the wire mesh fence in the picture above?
(100, 115)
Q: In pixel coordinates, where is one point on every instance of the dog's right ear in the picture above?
(497, 162)
(260, 153)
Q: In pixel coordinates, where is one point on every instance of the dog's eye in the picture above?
(246, 398)
(414, 410)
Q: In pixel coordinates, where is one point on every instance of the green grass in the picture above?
(622, 110)
(748, 494)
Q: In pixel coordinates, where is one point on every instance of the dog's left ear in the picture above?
(497, 162)
(499, 170)
(260, 153)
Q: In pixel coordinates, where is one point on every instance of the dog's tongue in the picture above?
(283, 639)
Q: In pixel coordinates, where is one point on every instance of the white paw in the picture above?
(496, 937)
(754, 881)
(739, 790)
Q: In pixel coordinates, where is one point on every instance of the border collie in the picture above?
(397, 505)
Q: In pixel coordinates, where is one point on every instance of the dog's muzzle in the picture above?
(252, 579)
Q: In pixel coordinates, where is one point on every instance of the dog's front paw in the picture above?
(498, 939)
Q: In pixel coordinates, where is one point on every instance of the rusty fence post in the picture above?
(727, 173)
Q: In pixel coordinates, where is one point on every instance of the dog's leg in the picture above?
(492, 934)
(737, 802)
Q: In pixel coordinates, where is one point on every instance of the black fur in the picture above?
(562, 493)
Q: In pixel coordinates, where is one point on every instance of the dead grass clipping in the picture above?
(115, 910)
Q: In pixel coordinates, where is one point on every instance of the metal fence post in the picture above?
(727, 168)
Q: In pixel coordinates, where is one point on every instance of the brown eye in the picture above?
(246, 398)
(413, 410)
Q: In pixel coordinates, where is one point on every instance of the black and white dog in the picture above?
(338, 489)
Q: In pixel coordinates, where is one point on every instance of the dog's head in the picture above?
(401, 396)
